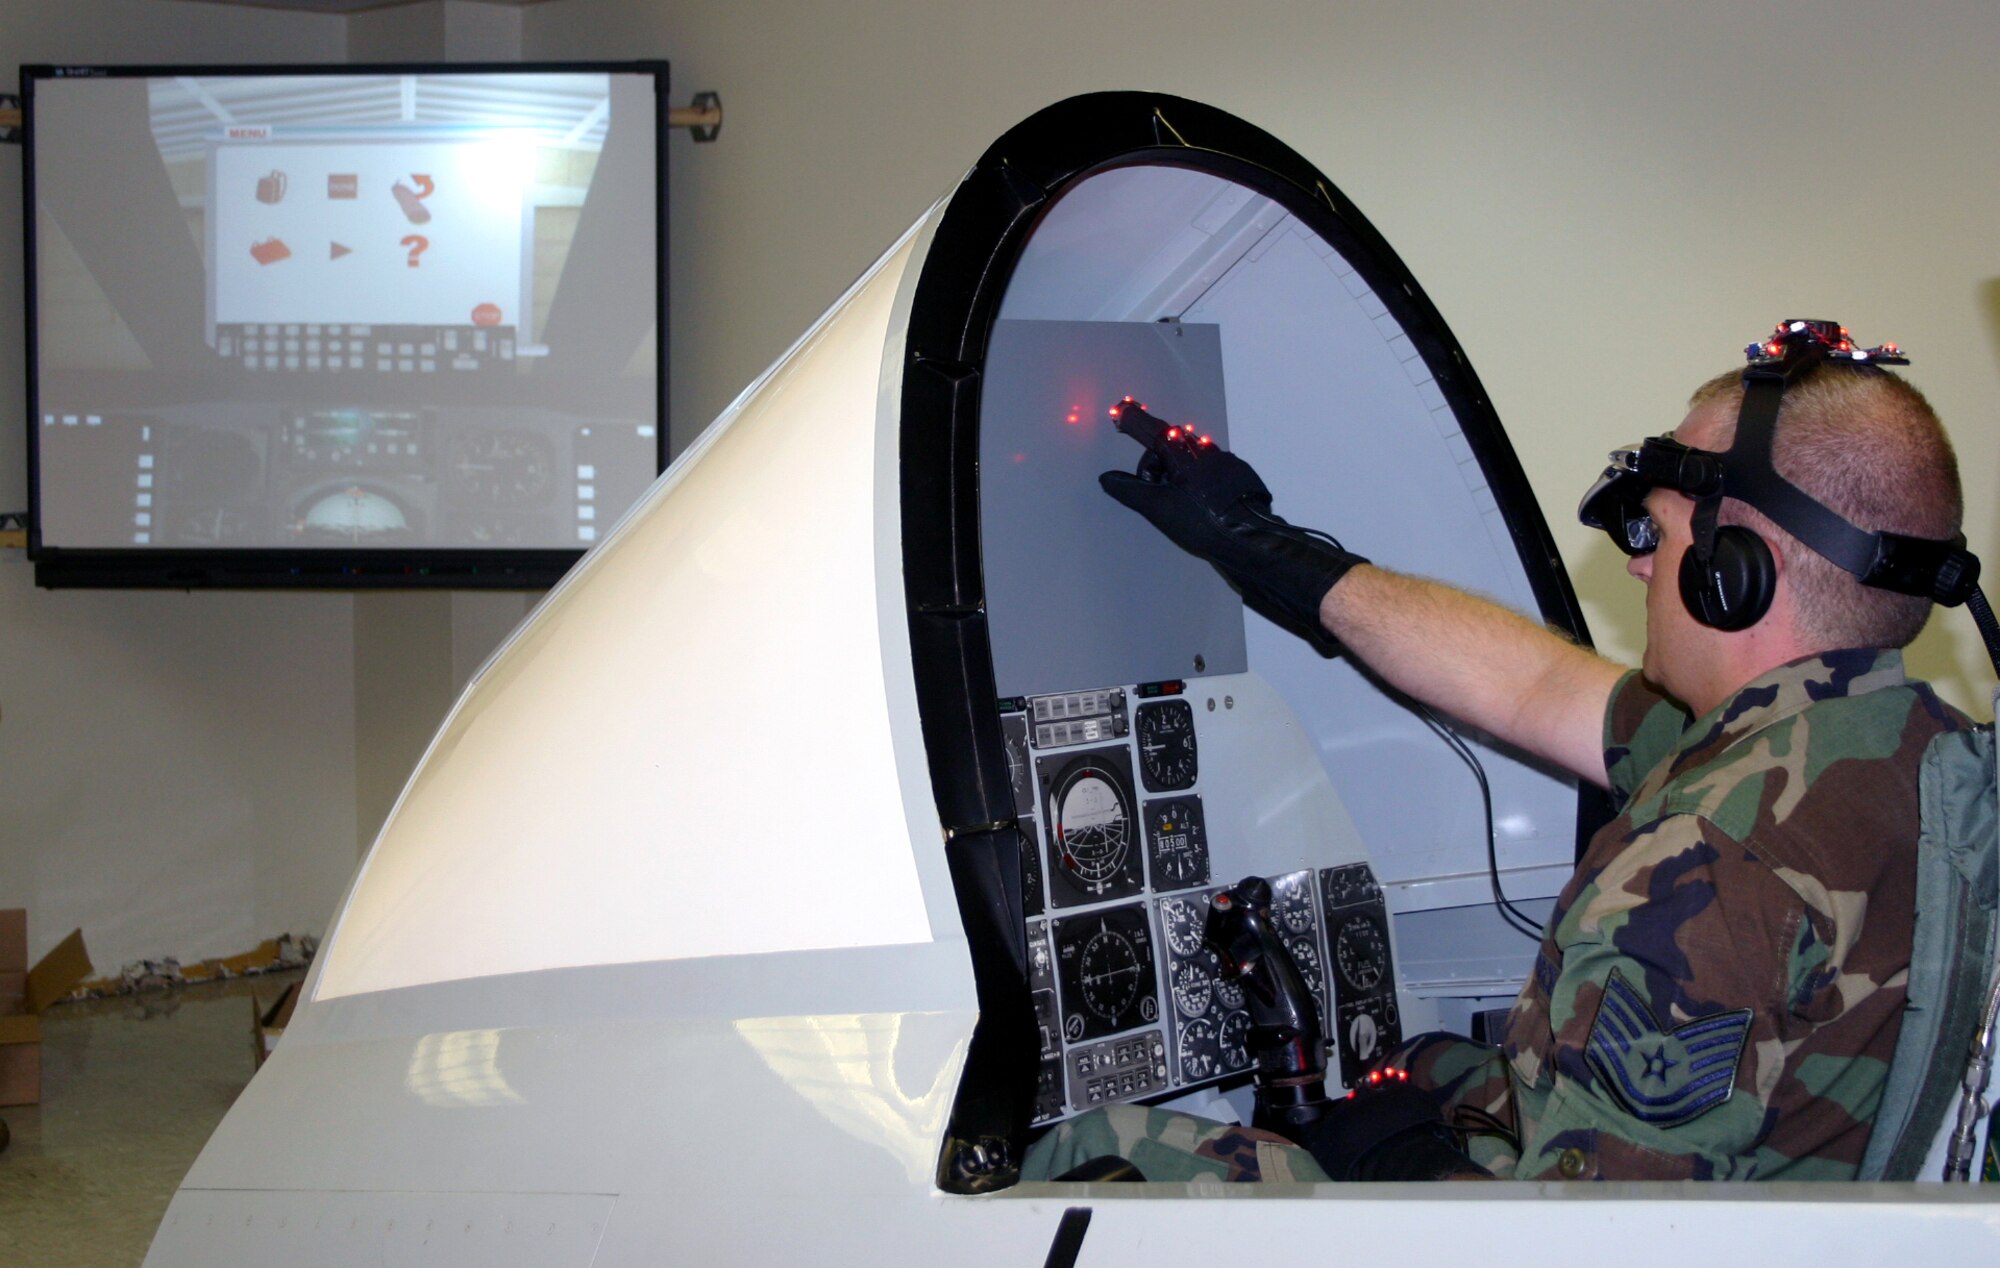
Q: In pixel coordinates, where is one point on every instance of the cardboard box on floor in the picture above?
(24, 993)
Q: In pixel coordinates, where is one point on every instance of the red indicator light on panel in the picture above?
(1891, 349)
(1773, 349)
(1173, 433)
(1206, 440)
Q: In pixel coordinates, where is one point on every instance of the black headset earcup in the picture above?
(1734, 590)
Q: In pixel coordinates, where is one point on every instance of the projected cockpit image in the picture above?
(419, 203)
(448, 280)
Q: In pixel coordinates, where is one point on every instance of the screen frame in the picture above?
(323, 568)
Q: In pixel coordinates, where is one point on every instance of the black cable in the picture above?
(1289, 529)
(1989, 628)
(1517, 920)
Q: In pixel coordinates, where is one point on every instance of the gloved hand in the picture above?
(1388, 1130)
(1211, 503)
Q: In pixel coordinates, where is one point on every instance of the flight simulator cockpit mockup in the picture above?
(868, 800)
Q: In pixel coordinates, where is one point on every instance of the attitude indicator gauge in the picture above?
(1166, 745)
(1092, 826)
(1104, 968)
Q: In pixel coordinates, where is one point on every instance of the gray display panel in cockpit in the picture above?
(1060, 618)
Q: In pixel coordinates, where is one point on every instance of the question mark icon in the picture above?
(418, 244)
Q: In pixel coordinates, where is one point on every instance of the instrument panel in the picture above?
(1117, 871)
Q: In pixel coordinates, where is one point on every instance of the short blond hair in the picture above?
(1868, 445)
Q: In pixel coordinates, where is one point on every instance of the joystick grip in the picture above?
(1286, 1042)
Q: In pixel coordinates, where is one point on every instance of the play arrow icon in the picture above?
(336, 250)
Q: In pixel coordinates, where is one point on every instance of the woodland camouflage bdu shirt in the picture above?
(1722, 981)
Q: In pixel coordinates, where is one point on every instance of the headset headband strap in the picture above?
(1940, 570)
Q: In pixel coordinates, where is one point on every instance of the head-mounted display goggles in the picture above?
(1940, 570)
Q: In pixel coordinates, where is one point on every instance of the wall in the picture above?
(186, 774)
(176, 770)
(1605, 201)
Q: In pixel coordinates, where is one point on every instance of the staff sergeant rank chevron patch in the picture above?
(1663, 1077)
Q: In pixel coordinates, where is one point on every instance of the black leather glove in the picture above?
(1211, 503)
(1390, 1131)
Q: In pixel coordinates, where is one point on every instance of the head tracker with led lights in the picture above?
(1728, 576)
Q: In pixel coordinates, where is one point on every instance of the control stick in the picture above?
(1286, 1043)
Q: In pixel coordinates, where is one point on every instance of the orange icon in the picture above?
(412, 200)
(269, 251)
(486, 315)
(271, 189)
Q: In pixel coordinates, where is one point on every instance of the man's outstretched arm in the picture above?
(1478, 661)
(1458, 653)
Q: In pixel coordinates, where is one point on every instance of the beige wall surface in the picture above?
(1605, 201)
(176, 771)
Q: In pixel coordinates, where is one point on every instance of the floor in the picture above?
(131, 1089)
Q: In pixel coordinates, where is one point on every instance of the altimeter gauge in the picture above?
(1176, 842)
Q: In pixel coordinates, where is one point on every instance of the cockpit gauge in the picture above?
(1305, 954)
(1233, 1038)
(1104, 965)
(1165, 731)
(1093, 830)
(1183, 919)
(1200, 1053)
(1367, 1020)
(1193, 986)
(1020, 766)
(1031, 869)
(1292, 903)
(1176, 843)
(1228, 994)
(1360, 953)
(501, 468)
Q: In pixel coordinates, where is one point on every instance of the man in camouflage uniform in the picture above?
(1720, 987)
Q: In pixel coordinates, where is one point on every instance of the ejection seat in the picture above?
(1953, 973)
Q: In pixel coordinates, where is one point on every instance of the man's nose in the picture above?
(1641, 566)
